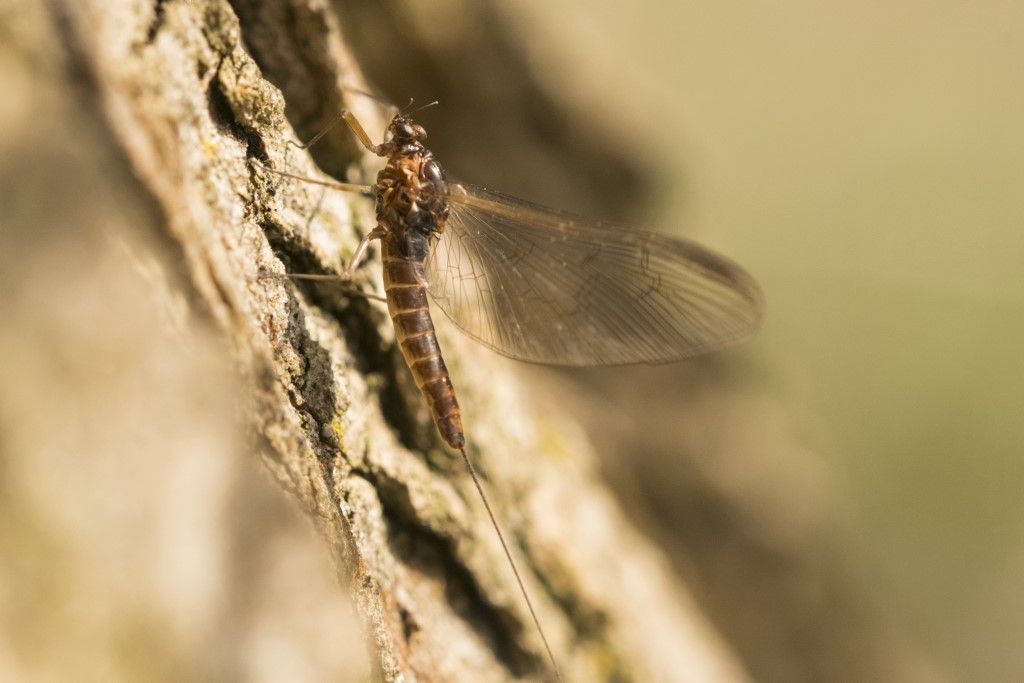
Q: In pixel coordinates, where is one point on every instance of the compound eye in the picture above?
(419, 131)
(403, 130)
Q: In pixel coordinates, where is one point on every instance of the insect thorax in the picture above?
(410, 191)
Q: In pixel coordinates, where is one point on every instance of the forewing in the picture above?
(545, 287)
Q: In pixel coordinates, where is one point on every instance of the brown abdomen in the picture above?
(414, 329)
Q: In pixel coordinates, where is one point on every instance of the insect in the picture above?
(531, 283)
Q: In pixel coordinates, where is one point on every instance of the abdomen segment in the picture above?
(414, 329)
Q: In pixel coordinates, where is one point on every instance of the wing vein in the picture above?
(546, 287)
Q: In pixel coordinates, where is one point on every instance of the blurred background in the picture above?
(844, 495)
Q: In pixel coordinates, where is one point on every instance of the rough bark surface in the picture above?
(339, 422)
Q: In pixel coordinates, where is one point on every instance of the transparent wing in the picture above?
(545, 287)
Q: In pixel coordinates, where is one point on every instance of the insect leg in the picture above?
(360, 133)
(345, 115)
(346, 276)
(334, 185)
(363, 137)
(346, 284)
(360, 254)
(352, 122)
(316, 138)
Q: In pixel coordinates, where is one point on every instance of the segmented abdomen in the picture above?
(414, 329)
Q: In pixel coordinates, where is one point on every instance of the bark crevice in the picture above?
(188, 92)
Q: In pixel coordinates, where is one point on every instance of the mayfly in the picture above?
(531, 283)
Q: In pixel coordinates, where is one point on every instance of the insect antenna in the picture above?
(511, 562)
(421, 107)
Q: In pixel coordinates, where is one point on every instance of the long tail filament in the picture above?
(511, 562)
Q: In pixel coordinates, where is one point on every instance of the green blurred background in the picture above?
(866, 162)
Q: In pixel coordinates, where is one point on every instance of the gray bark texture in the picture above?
(177, 93)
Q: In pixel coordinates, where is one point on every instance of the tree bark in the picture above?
(337, 419)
